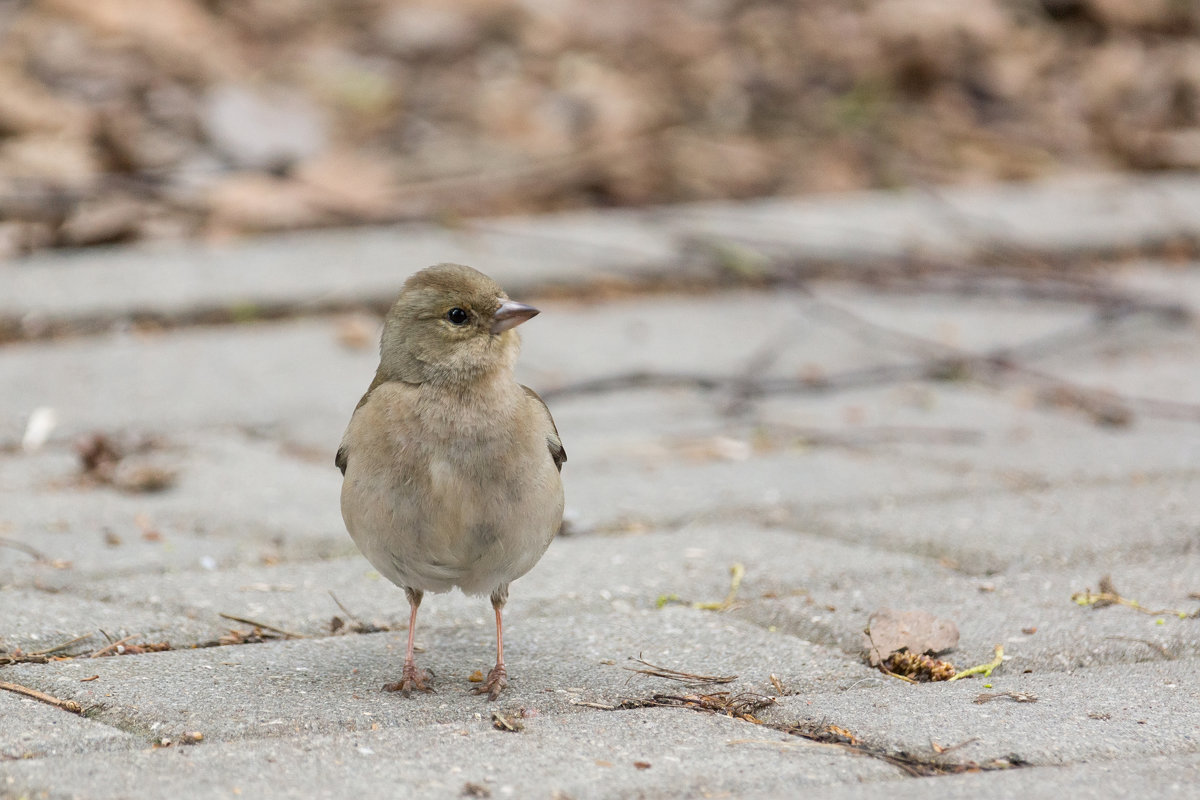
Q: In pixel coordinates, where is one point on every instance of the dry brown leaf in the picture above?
(890, 631)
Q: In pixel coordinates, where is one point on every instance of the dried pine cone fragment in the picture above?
(919, 666)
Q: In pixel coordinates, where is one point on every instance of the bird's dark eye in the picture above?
(457, 316)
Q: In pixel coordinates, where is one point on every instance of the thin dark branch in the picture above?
(689, 678)
(36, 554)
(264, 626)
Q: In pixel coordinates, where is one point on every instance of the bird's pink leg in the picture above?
(411, 678)
(497, 679)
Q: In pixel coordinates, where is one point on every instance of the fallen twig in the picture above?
(689, 678)
(941, 751)
(914, 765)
(359, 625)
(1020, 697)
(112, 646)
(1109, 596)
(740, 706)
(33, 552)
(65, 705)
(509, 723)
(263, 626)
(1153, 645)
(60, 647)
(883, 668)
(936, 360)
(860, 436)
(736, 572)
(983, 669)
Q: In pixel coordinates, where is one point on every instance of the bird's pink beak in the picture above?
(510, 314)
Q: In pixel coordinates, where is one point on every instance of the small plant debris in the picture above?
(18, 656)
(475, 790)
(689, 678)
(103, 461)
(1109, 596)
(736, 572)
(918, 667)
(641, 765)
(941, 750)
(122, 647)
(984, 669)
(1018, 697)
(255, 635)
(262, 626)
(65, 705)
(821, 732)
(357, 626)
(915, 765)
(739, 706)
(37, 555)
(507, 722)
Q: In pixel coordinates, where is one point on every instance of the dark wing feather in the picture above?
(553, 442)
(343, 453)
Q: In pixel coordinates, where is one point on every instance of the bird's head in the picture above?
(451, 324)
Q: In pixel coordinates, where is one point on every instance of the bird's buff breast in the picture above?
(435, 509)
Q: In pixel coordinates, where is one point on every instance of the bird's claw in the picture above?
(411, 678)
(497, 679)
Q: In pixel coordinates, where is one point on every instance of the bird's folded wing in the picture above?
(343, 453)
(553, 441)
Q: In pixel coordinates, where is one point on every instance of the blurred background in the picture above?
(133, 120)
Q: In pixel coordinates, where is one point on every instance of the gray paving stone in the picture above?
(679, 492)
(35, 730)
(712, 335)
(1138, 359)
(1089, 213)
(1176, 280)
(262, 377)
(1067, 214)
(1084, 715)
(294, 378)
(1030, 612)
(590, 755)
(323, 685)
(972, 324)
(1138, 517)
(983, 502)
(38, 620)
(324, 268)
(1027, 449)
(619, 576)
(1154, 776)
(236, 500)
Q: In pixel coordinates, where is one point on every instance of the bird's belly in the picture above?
(445, 525)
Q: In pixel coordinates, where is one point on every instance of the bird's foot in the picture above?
(411, 678)
(497, 679)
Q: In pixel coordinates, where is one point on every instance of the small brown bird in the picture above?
(451, 468)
